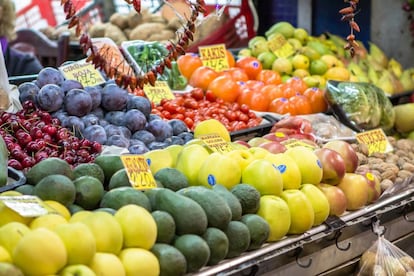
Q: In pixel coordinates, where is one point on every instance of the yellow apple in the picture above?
(355, 188)
(319, 202)
(189, 161)
(158, 159)
(77, 270)
(302, 215)
(242, 156)
(219, 168)
(258, 152)
(264, 176)
(291, 175)
(254, 142)
(308, 162)
(277, 214)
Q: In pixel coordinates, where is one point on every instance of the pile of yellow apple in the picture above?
(300, 186)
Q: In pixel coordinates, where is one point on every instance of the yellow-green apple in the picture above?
(258, 152)
(189, 161)
(264, 176)
(333, 165)
(277, 214)
(255, 141)
(319, 201)
(355, 188)
(374, 185)
(336, 198)
(308, 162)
(273, 146)
(158, 159)
(241, 144)
(301, 211)
(288, 168)
(346, 151)
(242, 156)
(276, 136)
(77, 270)
(219, 168)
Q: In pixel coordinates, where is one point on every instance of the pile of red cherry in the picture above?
(32, 135)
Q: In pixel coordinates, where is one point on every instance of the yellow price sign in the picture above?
(214, 56)
(83, 72)
(138, 171)
(158, 92)
(25, 205)
(292, 142)
(280, 46)
(216, 143)
(376, 141)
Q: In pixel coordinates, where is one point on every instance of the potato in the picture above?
(134, 19)
(174, 23)
(115, 33)
(164, 35)
(143, 31)
(119, 19)
(97, 29)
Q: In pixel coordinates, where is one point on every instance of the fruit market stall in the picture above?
(166, 162)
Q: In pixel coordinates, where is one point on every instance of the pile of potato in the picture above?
(144, 26)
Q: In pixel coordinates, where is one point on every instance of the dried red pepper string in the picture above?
(348, 14)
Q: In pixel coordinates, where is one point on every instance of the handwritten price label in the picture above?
(214, 56)
(83, 72)
(216, 143)
(280, 46)
(138, 171)
(376, 141)
(25, 205)
(158, 92)
(292, 142)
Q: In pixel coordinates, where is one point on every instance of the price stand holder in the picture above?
(83, 72)
(376, 141)
(138, 171)
(214, 56)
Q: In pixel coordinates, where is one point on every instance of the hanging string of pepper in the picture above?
(128, 78)
(348, 14)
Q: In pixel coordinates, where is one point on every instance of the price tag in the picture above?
(84, 72)
(291, 143)
(280, 46)
(214, 56)
(216, 143)
(376, 141)
(158, 92)
(25, 205)
(138, 171)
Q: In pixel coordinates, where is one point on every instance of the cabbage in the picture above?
(363, 105)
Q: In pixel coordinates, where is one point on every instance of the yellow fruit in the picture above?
(79, 242)
(302, 215)
(106, 230)
(158, 159)
(300, 61)
(138, 226)
(331, 60)
(11, 233)
(337, 73)
(4, 255)
(174, 151)
(40, 252)
(282, 65)
(107, 264)
(11, 193)
(211, 126)
(308, 163)
(59, 208)
(49, 221)
(78, 216)
(288, 168)
(300, 73)
(138, 261)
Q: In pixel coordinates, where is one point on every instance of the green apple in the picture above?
(190, 160)
(158, 159)
(355, 188)
(243, 156)
(288, 168)
(277, 214)
(319, 202)
(219, 168)
(302, 215)
(77, 270)
(258, 47)
(264, 176)
(266, 59)
(308, 162)
(258, 152)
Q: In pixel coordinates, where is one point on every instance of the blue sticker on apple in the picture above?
(281, 168)
(148, 161)
(319, 163)
(211, 180)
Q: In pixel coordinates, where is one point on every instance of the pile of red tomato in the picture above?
(246, 82)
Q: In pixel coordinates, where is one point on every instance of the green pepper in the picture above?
(176, 81)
